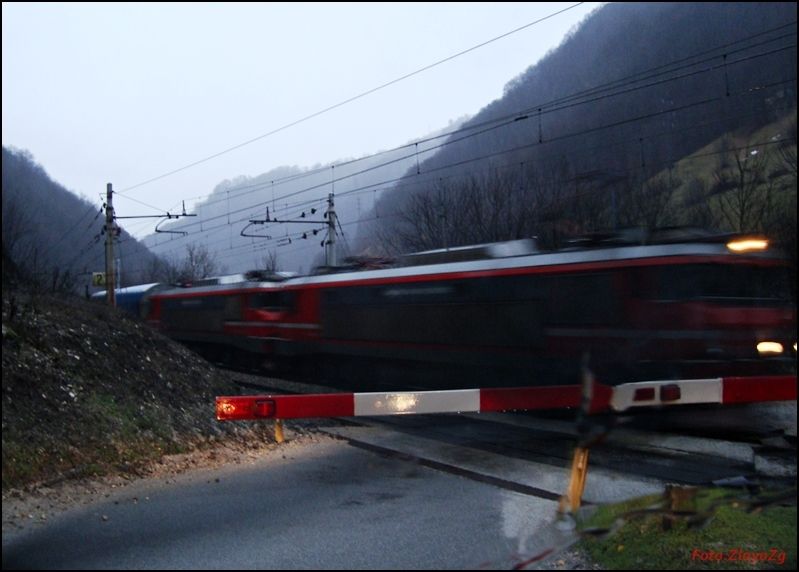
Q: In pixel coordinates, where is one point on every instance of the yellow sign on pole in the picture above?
(98, 278)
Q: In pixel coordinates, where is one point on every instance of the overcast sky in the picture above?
(123, 93)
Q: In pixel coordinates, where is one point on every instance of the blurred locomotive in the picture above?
(501, 315)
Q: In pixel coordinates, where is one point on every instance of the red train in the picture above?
(506, 314)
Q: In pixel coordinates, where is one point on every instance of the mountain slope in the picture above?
(634, 89)
(52, 238)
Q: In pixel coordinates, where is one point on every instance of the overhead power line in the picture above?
(351, 99)
(593, 95)
(296, 238)
(370, 187)
(506, 122)
(651, 77)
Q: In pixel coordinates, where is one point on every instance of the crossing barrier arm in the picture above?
(729, 390)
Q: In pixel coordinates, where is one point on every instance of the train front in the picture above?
(727, 312)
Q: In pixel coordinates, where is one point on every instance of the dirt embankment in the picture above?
(89, 391)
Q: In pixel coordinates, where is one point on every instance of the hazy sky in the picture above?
(123, 93)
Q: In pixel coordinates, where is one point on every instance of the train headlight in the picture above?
(769, 348)
(747, 244)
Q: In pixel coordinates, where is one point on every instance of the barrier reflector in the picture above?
(670, 392)
(644, 394)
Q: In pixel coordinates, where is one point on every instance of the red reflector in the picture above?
(644, 394)
(264, 408)
(243, 407)
(670, 392)
(225, 409)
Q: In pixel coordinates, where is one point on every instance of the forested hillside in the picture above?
(52, 239)
(587, 138)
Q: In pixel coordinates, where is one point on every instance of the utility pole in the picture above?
(328, 243)
(330, 246)
(110, 273)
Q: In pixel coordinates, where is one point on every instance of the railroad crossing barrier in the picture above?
(590, 396)
(720, 390)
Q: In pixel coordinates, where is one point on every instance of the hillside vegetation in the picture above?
(579, 141)
(744, 181)
(52, 238)
(88, 391)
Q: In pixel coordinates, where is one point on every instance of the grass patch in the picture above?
(717, 529)
(21, 462)
(114, 436)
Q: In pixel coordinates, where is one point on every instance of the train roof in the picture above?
(598, 252)
(515, 255)
(131, 290)
(490, 250)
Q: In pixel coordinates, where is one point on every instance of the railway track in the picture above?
(531, 453)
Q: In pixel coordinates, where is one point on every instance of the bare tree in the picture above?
(158, 269)
(423, 222)
(63, 281)
(649, 203)
(198, 263)
(696, 205)
(473, 209)
(743, 190)
(781, 222)
(787, 151)
(18, 225)
(269, 261)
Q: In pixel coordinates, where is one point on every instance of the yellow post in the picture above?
(279, 437)
(570, 502)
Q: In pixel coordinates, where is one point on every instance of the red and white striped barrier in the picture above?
(722, 390)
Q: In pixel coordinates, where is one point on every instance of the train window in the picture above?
(277, 301)
(730, 283)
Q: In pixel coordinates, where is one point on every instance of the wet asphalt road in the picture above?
(419, 492)
(325, 505)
